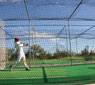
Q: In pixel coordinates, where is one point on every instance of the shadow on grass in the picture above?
(91, 67)
(75, 79)
(5, 70)
(65, 80)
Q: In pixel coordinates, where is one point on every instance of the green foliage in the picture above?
(88, 55)
(38, 52)
(60, 54)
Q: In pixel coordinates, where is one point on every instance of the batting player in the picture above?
(21, 55)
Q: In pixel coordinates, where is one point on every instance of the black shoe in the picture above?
(27, 69)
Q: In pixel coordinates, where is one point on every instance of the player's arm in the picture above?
(24, 44)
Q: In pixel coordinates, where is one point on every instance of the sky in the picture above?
(49, 12)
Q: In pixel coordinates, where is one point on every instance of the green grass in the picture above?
(21, 73)
(34, 73)
(50, 62)
(67, 74)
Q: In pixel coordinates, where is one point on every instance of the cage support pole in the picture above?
(69, 34)
(69, 25)
(29, 43)
(33, 41)
(57, 39)
(57, 47)
(77, 45)
(29, 32)
(66, 40)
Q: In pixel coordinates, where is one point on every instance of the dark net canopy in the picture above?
(47, 9)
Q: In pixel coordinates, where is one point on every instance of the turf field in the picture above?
(80, 75)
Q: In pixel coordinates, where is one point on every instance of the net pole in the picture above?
(66, 40)
(77, 45)
(69, 34)
(29, 43)
(57, 50)
(29, 32)
(33, 41)
(69, 26)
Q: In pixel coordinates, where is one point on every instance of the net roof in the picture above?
(47, 9)
(54, 14)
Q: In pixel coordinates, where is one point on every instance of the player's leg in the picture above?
(14, 64)
(25, 63)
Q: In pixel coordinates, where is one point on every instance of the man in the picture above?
(21, 55)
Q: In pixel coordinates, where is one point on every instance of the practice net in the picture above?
(2, 46)
(60, 34)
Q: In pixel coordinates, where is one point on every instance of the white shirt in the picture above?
(18, 46)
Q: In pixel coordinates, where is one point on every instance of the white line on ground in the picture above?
(34, 77)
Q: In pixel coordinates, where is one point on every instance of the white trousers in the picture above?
(21, 56)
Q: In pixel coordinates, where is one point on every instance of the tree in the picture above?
(48, 56)
(37, 52)
(59, 54)
(85, 51)
(86, 54)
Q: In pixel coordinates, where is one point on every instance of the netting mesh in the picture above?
(43, 9)
(2, 46)
(59, 32)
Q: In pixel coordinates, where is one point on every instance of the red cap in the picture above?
(16, 38)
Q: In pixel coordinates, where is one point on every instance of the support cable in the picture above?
(84, 31)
